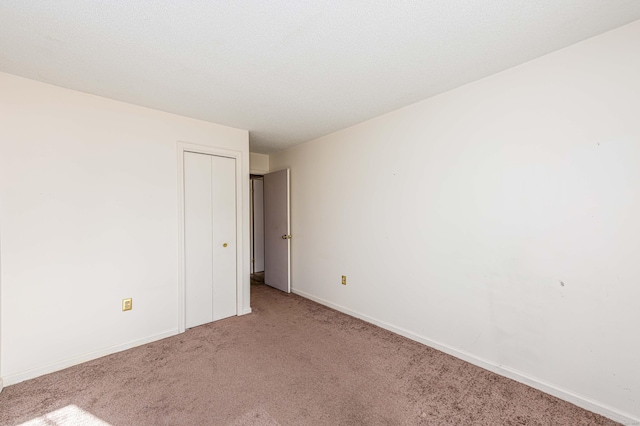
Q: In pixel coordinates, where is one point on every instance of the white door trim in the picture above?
(221, 152)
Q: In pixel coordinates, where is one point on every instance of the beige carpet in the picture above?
(291, 362)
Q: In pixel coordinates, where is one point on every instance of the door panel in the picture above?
(223, 182)
(197, 235)
(277, 270)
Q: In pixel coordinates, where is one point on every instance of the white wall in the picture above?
(89, 216)
(498, 221)
(259, 163)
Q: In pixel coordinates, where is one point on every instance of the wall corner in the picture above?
(258, 163)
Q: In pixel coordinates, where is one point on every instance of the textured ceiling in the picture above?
(288, 71)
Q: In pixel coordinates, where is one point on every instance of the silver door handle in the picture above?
(286, 237)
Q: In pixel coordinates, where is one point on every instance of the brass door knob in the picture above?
(224, 245)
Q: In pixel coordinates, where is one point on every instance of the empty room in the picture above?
(319, 213)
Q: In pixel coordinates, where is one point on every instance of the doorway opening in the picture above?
(271, 230)
(257, 226)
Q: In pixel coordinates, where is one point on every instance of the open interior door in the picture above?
(277, 231)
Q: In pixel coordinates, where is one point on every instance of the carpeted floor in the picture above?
(291, 362)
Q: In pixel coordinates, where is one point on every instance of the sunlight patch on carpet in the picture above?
(70, 415)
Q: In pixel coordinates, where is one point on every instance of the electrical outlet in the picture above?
(344, 280)
(127, 304)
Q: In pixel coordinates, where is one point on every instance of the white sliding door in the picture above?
(210, 238)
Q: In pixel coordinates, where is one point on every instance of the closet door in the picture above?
(198, 231)
(223, 183)
(210, 238)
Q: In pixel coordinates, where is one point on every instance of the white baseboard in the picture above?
(12, 379)
(246, 311)
(1, 385)
(580, 401)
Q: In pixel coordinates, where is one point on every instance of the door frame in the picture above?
(220, 152)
